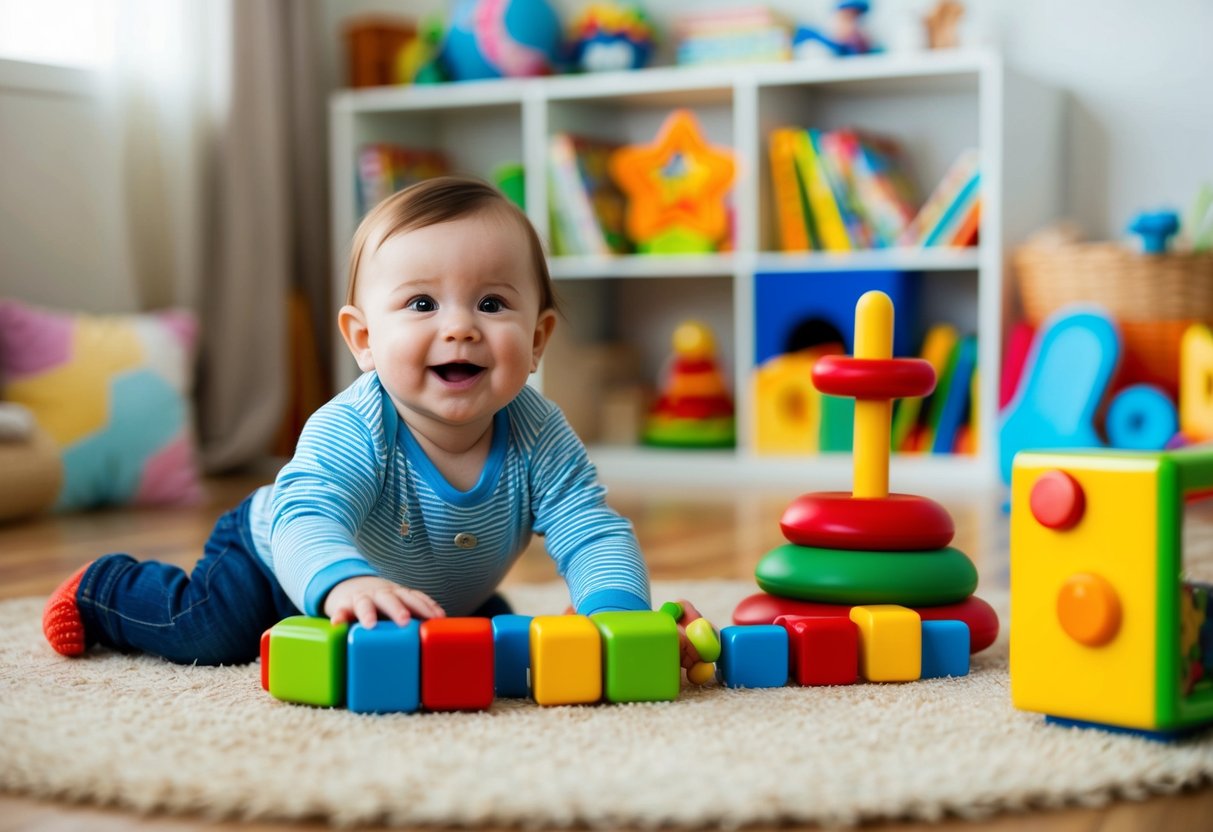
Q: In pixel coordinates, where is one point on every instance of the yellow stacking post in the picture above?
(873, 339)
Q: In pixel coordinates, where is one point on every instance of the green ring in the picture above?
(856, 576)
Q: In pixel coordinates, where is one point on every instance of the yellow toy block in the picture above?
(1101, 629)
(1196, 383)
(787, 407)
(566, 660)
(890, 642)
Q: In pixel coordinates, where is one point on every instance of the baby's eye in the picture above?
(422, 303)
(491, 304)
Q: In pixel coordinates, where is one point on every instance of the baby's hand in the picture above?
(363, 598)
(698, 666)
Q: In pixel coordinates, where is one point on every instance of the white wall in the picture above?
(1137, 76)
(62, 237)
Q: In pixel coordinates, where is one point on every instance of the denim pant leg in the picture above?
(215, 615)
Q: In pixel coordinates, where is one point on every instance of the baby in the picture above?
(412, 492)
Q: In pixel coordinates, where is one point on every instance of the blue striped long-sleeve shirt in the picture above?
(360, 497)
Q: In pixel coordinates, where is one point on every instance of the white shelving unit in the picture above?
(935, 103)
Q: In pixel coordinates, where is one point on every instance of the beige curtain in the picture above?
(235, 223)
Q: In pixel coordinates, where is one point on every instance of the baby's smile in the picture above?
(458, 373)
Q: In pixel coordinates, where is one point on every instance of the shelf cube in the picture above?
(754, 656)
(640, 656)
(384, 665)
(945, 649)
(307, 661)
(511, 655)
(566, 660)
(457, 664)
(890, 642)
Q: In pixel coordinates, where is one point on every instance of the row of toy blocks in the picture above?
(461, 663)
(878, 643)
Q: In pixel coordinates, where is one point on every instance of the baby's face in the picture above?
(453, 319)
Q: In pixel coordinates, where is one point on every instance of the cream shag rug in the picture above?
(141, 733)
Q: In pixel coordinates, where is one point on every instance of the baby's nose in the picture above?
(460, 326)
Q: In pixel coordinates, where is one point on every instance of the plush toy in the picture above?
(611, 36)
(496, 38)
(846, 38)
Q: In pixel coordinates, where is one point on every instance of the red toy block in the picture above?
(761, 608)
(265, 661)
(822, 651)
(873, 378)
(457, 664)
(836, 520)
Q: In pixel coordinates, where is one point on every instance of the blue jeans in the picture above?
(215, 615)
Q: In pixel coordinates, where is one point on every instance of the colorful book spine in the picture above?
(827, 219)
(789, 207)
(834, 170)
(577, 229)
(957, 177)
(937, 347)
(953, 216)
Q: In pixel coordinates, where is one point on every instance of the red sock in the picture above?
(61, 622)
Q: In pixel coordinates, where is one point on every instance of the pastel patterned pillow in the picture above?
(114, 393)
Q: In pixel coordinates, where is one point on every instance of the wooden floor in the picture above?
(684, 534)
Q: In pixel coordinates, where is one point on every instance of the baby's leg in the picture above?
(215, 615)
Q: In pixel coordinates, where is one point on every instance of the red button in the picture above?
(1057, 500)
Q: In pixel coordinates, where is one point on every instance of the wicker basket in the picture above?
(1154, 297)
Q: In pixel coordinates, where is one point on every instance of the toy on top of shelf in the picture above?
(695, 409)
(1067, 373)
(1156, 228)
(847, 37)
(418, 61)
(1095, 541)
(373, 44)
(611, 36)
(736, 35)
(941, 24)
(676, 189)
(502, 38)
(870, 555)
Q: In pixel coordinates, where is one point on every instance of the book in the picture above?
(790, 204)
(384, 169)
(883, 191)
(951, 400)
(827, 218)
(937, 348)
(962, 172)
(966, 232)
(575, 226)
(954, 215)
(606, 199)
(834, 168)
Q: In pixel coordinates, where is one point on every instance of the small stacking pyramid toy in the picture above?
(695, 409)
(870, 547)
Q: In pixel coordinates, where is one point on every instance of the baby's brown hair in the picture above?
(435, 201)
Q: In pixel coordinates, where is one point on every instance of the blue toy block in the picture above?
(1141, 418)
(1071, 363)
(754, 656)
(511, 656)
(384, 667)
(945, 649)
(785, 300)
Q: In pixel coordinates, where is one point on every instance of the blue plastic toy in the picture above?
(754, 656)
(1156, 229)
(511, 655)
(1066, 375)
(1142, 418)
(945, 649)
(384, 668)
(496, 38)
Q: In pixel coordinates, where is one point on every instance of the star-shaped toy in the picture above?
(676, 185)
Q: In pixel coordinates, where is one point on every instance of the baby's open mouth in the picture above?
(457, 372)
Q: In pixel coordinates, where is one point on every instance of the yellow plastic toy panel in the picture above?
(890, 642)
(566, 660)
(1195, 390)
(1084, 586)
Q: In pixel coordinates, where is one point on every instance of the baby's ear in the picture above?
(352, 324)
(543, 333)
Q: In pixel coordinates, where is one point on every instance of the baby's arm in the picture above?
(321, 498)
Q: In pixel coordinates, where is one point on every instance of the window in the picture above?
(75, 33)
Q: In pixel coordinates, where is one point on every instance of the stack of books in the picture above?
(743, 35)
(844, 190)
(384, 169)
(587, 207)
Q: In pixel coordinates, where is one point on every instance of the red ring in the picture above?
(873, 378)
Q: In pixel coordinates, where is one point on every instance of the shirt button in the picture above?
(465, 540)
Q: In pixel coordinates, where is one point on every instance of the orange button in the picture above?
(1089, 609)
(1057, 500)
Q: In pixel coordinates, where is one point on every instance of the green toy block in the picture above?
(308, 661)
(639, 656)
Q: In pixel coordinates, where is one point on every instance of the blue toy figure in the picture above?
(1156, 229)
(848, 37)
